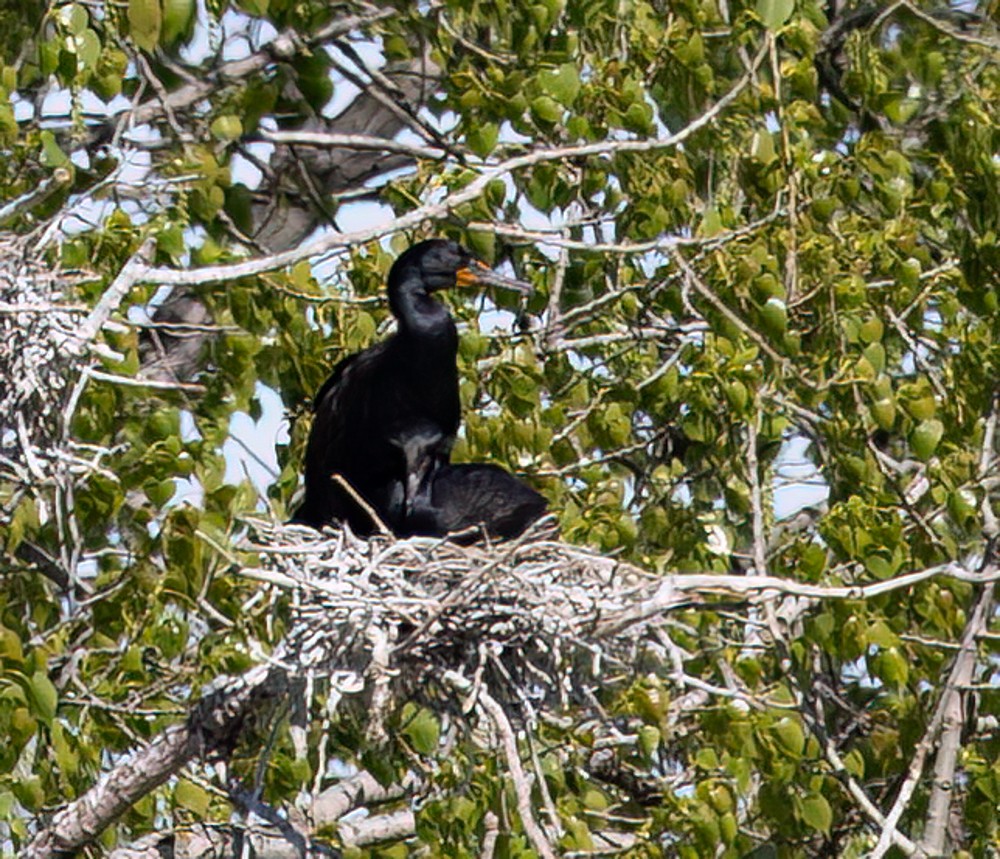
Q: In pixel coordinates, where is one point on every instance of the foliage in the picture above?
(818, 259)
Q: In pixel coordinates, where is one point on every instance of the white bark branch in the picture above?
(959, 677)
(213, 720)
(437, 211)
(522, 783)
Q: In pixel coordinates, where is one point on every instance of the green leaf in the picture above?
(925, 437)
(44, 697)
(88, 48)
(816, 812)
(884, 412)
(871, 330)
(790, 737)
(178, 19)
(255, 7)
(707, 759)
(75, 18)
(192, 797)
(774, 13)
(66, 757)
(775, 316)
(52, 155)
(893, 667)
(711, 223)
(29, 792)
(854, 762)
(159, 492)
(546, 110)
(880, 634)
(563, 84)
(144, 22)
(423, 732)
(10, 646)
(649, 739)
(227, 127)
(483, 138)
(875, 353)
(762, 147)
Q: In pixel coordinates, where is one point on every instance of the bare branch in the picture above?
(211, 725)
(522, 783)
(949, 706)
(443, 208)
(363, 142)
(45, 189)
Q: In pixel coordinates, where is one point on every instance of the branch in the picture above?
(354, 792)
(284, 46)
(365, 142)
(673, 591)
(211, 727)
(206, 842)
(940, 802)
(958, 678)
(382, 827)
(443, 208)
(46, 188)
(130, 274)
(522, 784)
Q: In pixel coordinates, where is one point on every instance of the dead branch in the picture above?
(211, 728)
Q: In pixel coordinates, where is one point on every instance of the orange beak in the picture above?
(477, 274)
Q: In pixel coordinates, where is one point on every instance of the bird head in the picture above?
(442, 264)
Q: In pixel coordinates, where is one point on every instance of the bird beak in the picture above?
(477, 274)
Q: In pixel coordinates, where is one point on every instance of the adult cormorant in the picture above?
(367, 411)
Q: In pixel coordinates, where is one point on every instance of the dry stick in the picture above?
(553, 322)
(555, 238)
(522, 784)
(380, 827)
(759, 538)
(441, 209)
(492, 826)
(675, 590)
(47, 187)
(366, 142)
(131, 273)
(960, 674)
(152, 384)
(354, 792)
(344, 484)
(942, 785)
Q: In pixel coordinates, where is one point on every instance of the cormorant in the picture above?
(474, 495)
(368, 411)
(442, 498)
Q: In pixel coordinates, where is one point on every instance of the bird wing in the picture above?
(339, 403)
(337, 407)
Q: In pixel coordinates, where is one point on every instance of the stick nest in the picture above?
(37, 326)
(536, 619)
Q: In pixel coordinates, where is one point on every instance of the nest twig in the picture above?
(37, 327)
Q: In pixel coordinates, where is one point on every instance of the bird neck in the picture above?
(419, 314)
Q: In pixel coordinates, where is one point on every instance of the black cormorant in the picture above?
(375, 401)
(457, 498)
(442, 498)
